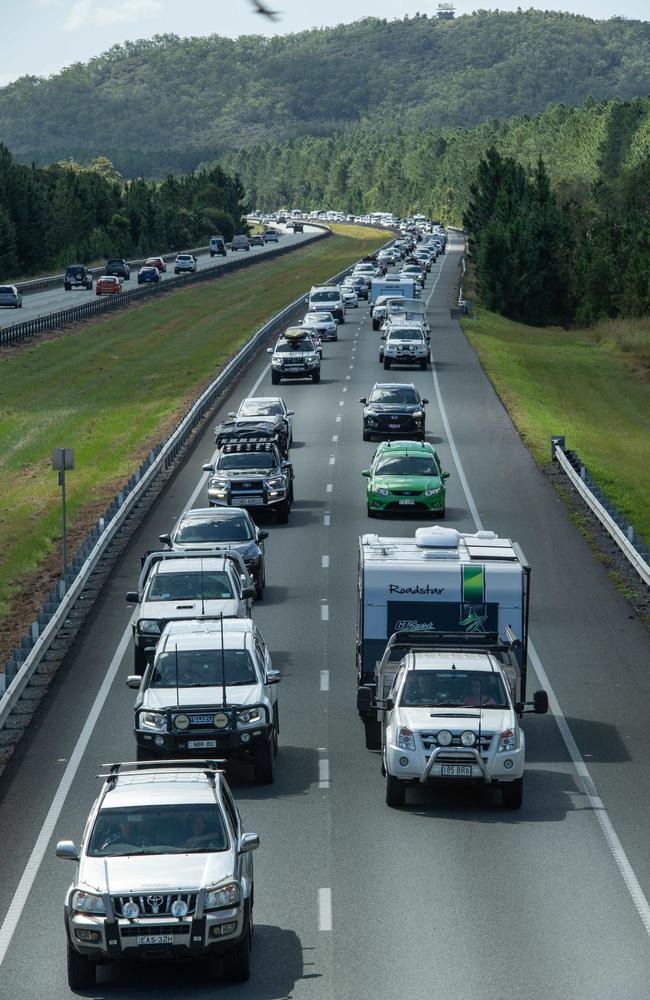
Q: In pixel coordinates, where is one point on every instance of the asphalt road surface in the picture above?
(451, 897)
(54, 299)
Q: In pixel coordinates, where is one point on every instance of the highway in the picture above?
(54, 299)
(451, 897)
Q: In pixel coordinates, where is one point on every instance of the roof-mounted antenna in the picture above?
(178, 700)
(224, 696)
(202, 592)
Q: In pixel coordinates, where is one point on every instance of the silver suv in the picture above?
(164, 871)
(404, 344)
(185, 263)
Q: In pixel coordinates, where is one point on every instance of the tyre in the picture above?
(512, 794)
(139, 660)
(68, 288)
(386, 365)
(375, 325)
(373, 733)
(316, 378)
(81, 971)
(275, 378)
(264, 763)
(98, 292)
(371, 513)
(259, 591)
(423, 365)
(440, 514)
(366, 435)
(381, 358)
(237, 961)
(283, 512)
(395, 792)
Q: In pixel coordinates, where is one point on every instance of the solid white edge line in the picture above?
(324, 909)
(24, 887)
(585, 780)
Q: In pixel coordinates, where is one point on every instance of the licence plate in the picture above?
(456, 771)
(293, 368)
(156, 939)
(201, 744)
(407, 502)
(249, 501)
(393, 427)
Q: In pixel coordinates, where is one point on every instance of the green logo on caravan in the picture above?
(473, 584)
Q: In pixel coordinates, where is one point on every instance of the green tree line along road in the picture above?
(61, 214)
(412, 74)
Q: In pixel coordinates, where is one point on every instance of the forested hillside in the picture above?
(53, 216)
(173, 102)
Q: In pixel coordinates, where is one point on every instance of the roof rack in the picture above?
(209, 767)
(248, 444)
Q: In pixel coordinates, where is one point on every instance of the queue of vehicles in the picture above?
(164, 868)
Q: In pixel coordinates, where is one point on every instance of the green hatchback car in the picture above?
(406, 476)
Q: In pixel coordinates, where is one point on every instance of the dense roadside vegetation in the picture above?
(591, 385)
(417, 73)
(64, 213)
(111, 389)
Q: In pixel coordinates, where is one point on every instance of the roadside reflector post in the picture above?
(63, 459)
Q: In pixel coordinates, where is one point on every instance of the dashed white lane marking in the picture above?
(332, 459)
(341, 402)
(323, 769)
(347, 379)
(584, 777)
(335, 438)
(324, 612)
(324, 680)
(325, 562)
(329, 488)
(351, 367)
(324, 909)
(326, 520)
(344, 389)
(338, 419)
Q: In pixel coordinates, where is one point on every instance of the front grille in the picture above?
(429, 743)
(155, 904)
(401, 419)
(142, 930)
(406, 493)
(247, 485)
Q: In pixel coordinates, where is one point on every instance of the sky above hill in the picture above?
(40, 37)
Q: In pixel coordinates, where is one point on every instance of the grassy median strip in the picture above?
(593, 386)
(112, 388)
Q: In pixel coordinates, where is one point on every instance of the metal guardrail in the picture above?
(42, 633)
(610, 518)
(106, 303)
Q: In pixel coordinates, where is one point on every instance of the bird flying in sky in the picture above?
(260, 8)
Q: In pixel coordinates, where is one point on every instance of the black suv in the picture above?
(252, 474)
(393, 409)
(222, 527)
(118, 267)
(76, 275)
(294, 356)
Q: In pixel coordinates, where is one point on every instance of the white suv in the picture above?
(185, 263)
(164, 871)
(404, 344)
(210, 689)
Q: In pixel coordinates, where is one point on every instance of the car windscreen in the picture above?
(203, 668)
(253, 408)
(406, 465)
(179, 828)
(6, 290)
(453, 689)
(401, 395)
(318, 317)
(211, 585)
(405, 334)
(262, 460)
(326, 296)
(224, 529)
(115, 263)
(291, 347)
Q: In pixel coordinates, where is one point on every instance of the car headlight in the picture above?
(87, 902)
(312, 359)
(225, 896)
(507, 742)
(418, 414)
(149, 626)
(405, 739)
(276, 361)
(274, 483)
(249, 716)
(153, 720)
(468, 738)
(381, 491)
(432, 493)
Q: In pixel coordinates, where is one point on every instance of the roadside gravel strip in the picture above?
(355, 901)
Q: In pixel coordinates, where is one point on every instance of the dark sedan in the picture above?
(147, 275)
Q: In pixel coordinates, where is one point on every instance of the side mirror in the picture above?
(232, 413)
(540, 701)
(363, 400)
(445, 475)
(248, 592)
(208, 467)
(132, 597)
(133, 681)
(261, 535)
(290, 413)
(249, 842)
(390, 704)
(66, 849)
(365, 697)
(428, 340)
(269, 350)
(383, 336)
(273, 676)
(366, 473)
(165, 538)
(424, 402)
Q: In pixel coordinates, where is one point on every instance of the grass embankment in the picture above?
(111, 389)
(592, 385)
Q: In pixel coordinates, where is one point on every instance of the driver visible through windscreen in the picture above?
(160, 829)
(453, 689)
(406, 465)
